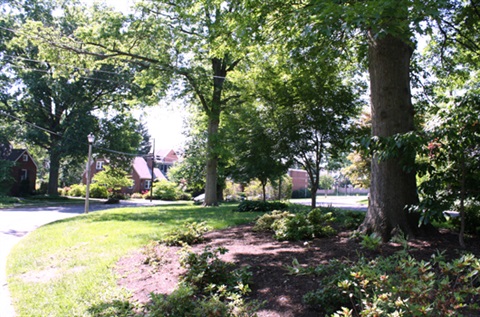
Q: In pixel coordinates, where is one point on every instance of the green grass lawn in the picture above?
(66, 268)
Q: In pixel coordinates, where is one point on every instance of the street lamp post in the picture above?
(90, 138)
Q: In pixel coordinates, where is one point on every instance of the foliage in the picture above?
(6, 179)
(265, 222)
(300, 226)
(262, 206)
(190, 233)
(166, 190)
(77, 190)
(113, 179)
(326, 182)
(302, 193)
(396, 285)
(154, 255)
(472, 218)
(371, 242)
(210, 287)
(98, 191)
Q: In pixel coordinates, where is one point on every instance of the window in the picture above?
(133, 185)
(99, 165)
(25, 158)
(148, 184)
(23, 174)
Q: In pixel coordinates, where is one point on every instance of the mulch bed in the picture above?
(268, 259)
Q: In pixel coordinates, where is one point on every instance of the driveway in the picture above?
(15, 223)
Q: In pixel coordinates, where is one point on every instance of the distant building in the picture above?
(24, 172)
(299, 179)
(141, 172)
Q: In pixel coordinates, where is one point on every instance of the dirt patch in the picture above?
(268, 259)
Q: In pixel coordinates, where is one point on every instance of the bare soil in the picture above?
(268, 259)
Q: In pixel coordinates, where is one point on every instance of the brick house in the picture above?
(24, 172)
(141, 172)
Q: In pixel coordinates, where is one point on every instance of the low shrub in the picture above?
(136, 196)
(190, 233)
(98, 191)
(77, 190)
(166, 190)
(263, 206)
(398, 285)
(210, 287)
(209, 275)
(301, 226)
(302, 193)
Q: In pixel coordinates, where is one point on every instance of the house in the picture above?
(141, 172)
(165, 159)
(24, 172)
(142, 175)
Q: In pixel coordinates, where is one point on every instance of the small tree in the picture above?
(113, 179)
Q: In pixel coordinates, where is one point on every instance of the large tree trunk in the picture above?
(52, 189)
(211, 198)
(393, 187)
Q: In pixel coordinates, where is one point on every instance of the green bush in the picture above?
(210, 275)
(166, 190)
(472, 218)
(300, 226)
(302, 193)
(398, 285)
(77, 190)
(190, 233)
(265, 222)
(98, 191)
(210, 287)
(263, 206)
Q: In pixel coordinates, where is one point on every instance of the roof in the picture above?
(143, 171)
(166, 156)
(16, 154)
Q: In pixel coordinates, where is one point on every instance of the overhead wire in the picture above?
(33, 125)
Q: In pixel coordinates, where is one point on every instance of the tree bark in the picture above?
(211, 198)
(393, 188)
(52, 189)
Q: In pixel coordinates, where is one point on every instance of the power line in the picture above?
(60, 135)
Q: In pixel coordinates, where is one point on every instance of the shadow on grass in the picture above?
(172, 213)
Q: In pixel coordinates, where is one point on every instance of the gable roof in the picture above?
(16, 154)
(143, 171)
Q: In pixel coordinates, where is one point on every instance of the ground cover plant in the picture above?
(66, 268)
(258, 274)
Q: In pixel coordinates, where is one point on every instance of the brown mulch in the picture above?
(268, 259)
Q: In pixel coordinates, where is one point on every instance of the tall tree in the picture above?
(382, 32)
(195, 43)
(58, 109)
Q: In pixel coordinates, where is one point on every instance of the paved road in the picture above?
(342, 202)
(15, 223)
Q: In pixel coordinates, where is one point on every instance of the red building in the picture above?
(299, 179)
(24, 172)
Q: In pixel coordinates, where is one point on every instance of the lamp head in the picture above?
(90, 138)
